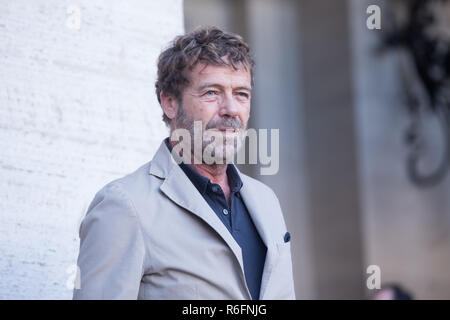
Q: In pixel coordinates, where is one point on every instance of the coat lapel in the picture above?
(260, 215)
(180, 189)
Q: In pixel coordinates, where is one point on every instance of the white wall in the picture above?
(77, 109)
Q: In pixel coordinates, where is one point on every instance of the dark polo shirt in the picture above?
(237, 220)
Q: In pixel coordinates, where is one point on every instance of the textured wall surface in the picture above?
(77, 109)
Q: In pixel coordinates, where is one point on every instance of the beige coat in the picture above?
(151, 235)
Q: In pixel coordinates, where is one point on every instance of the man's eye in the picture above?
(210, 93)
(243, 94)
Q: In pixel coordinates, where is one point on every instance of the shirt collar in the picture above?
(233, 178)
(201, 182)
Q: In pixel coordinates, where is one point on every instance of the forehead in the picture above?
(224, 75)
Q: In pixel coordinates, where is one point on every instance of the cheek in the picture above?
(205, 112)
(245, 114)
(198, 109)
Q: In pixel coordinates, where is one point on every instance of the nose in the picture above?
(229, 107)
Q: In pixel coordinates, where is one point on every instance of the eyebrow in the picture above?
(207, 85)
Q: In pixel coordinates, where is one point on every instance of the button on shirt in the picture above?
(237, 220)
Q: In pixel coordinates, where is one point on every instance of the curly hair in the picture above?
(207, 45)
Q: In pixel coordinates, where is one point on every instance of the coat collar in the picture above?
(180, 189)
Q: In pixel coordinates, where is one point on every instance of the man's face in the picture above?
(219, 97)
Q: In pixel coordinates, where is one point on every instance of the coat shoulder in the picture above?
(263, 192)
(261, 187)
(132, 179)
(134, 186)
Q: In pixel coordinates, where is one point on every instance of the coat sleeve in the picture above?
(112, 250)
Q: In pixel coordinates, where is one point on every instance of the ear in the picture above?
(169, 105)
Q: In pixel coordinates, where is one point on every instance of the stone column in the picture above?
(331, 154)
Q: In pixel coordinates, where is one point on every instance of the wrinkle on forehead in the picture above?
(212, 73)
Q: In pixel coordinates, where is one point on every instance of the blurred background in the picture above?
(362, 110)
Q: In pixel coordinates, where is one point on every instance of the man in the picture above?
(188, 224)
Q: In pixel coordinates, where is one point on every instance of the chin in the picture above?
(226, 153)
(222, 150)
